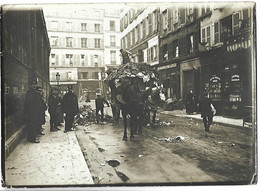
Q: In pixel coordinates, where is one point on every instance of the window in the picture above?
(235, 23)
(82, 58)
(84, 75)
(182, 15)
(138, 33)
(144, 28)
(216, 33)
(83, 26)
(96, 60)
(174, 48)
(112, 40)
(226, 28)
(205, 36)
(68, 26)
(141, 30)
(208, 34)
(133, 32)
(205, 9)
(68, 41)
(95, 75)
(97, 27)
(83, 42)
(69, 75)
(165, 52)
(97, 43)
(113, 57)
(54, 25)
(191, 43)
(69, 59)
(52, 59)
(54, 41)
(112, 26)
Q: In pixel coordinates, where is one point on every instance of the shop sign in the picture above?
(214, 79)
(235, 78)
(167, 66)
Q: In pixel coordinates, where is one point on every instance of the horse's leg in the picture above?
(154, 116)
(132, 122)
(125, 126)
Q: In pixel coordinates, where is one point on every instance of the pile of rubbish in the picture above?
(87, 116)
(141, 76)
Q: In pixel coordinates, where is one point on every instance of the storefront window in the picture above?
(215, 88)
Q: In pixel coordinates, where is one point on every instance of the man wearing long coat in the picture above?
(53, 102)
(70, 108)
(32, 113)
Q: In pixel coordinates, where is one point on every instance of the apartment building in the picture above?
(227, 63)
(207, 48)
(140, 33)
(79, 38)
(25, 56)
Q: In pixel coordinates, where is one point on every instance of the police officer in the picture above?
(70, 108)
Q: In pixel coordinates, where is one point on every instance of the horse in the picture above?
(129, 99)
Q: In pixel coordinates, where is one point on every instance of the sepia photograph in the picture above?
(128, 94)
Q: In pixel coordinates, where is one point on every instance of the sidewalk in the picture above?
(216, 119)
(56, 160)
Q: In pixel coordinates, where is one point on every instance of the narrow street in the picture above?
(177, 150)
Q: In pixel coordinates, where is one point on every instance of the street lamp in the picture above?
(58, 78)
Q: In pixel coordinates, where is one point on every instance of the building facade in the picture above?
(82, 46)
(204, 47)
(25, 58)
(140, 33)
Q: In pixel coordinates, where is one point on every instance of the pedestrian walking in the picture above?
(190, 103)
(207, 111)
(53, 103)
(43, 108)
(99, 101)
(70, 107)
(32, 112)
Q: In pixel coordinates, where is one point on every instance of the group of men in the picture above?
(35, 107)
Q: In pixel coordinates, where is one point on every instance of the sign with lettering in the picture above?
(167, 66)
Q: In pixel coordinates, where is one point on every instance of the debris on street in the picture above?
(167, 140)
(180, 138)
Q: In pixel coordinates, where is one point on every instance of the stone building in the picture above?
(25, 58)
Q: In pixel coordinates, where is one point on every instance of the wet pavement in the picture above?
(59, 159)
(56, 160)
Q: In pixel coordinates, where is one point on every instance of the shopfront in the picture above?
(170, 78)
(226, 77)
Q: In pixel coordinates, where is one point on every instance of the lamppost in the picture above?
(58, 78)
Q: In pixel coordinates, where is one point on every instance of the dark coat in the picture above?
(99, 101)
(33, 107)
(205, 107)
(70, 103)
(125, 57)
(53, 104)
(43, 109)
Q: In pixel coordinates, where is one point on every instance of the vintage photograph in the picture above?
(128, 94)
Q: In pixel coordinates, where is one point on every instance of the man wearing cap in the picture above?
(53, 103)
(99, 101)
(32, 112)
(70, 108)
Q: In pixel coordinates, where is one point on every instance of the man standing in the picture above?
(190, 103)
(207, 111)
(43, 108)
(53, 102)
(125, 56)
(70, 108)
(32, 112)
(100, 106)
